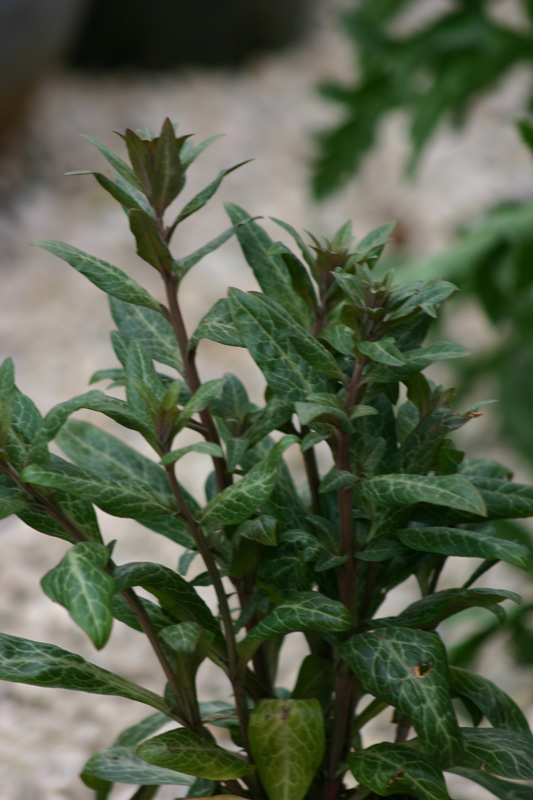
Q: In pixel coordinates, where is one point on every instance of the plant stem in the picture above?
(203, 548)
(176, 320)
(313, 477)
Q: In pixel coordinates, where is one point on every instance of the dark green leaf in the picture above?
(503, 752)
(40, 664)
(184, 751)
(210, 448)
(505, 500)
(94, 449)
(167, 178)
(174, 593)
(263, 529)
(120, 764)
(337, 479)
(408, 669)
(431, 610)
(117, 163)
(500, 710)
(458, 542)
(206, 194)
(381, 550)
(392, 769)
(151, 247)
(12, 500)
(217, 325)
(502, 789)
(110, 279)
(287, 742)
(239, 501)
(383, 351)
(81, 584)
(453, 491)
(7, 396)
(183, 265)
(148, 328)
(130, 498)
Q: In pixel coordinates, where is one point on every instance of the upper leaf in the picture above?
(148, 328)
(458, 542)
(110, 279)
(453, 491)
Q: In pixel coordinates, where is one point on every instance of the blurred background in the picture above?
(369, 110)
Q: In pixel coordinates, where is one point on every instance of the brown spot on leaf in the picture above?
(422, 668)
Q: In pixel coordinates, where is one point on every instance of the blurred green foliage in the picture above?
(432, 73)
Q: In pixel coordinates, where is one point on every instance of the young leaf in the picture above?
(167, 177)
(390, 769)
(200, 400)
(81, 584)
(376, 238)
(125, 499)
(239, 501)
(287, 372)
(7, 396)
(40, 664)
(458, 542)
(120, 764)
(117, 163)
(500, 710)
(206, 194)
(263, 529)
(148, 328)
(210, 448)
(287, 742)
(150, 245)
(183, 265)
(184, 751)
(174, 593)
(270, 271)
(383, 351)
(408, 669)
(218, 326)
(303, 611)
(453, 491)
(110, 279)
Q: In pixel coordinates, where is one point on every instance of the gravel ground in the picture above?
(55, 324)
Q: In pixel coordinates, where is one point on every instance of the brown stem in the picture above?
(205, 552)
(313, 477)
(176, 320)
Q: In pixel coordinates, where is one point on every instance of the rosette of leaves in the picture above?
(335, 343)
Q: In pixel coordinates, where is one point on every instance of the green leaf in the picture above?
(393, 769)
(500, 710)
(184, 751)
(408, 669)
(199, 200)
(81, 584)
(320, 412)
(7, 396)
(58, 415)
(203, 396)
(151, 247)
(12, 499)
(110, 279)
(237, 502)
(432, 609)
(130, 498)
(148, 328)
(271, 272)
(141, 730)
(337, 479)
(381, 550)
(79, 511)
(190, 153)
(263, 529)
(94, 449)
(210, 448)
(304, 249)
(218, 326)
(503, 752)
(303, 611)
(174, 593)
(315, 679)
(40, 664)
(183, 265)
(383, 351)
(453, 491)
(458, 542)
(376, 238)
(24, 442)
(505, 500)
(167, 177)
(287, 742)
(502, 789)
(190, 643)
(121, 610)
(117, 163)
(120, 764)
(287, 372)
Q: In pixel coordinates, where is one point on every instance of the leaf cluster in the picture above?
(335, 343)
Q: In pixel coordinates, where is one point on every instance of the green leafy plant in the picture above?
(390, 497)
(431, 73)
